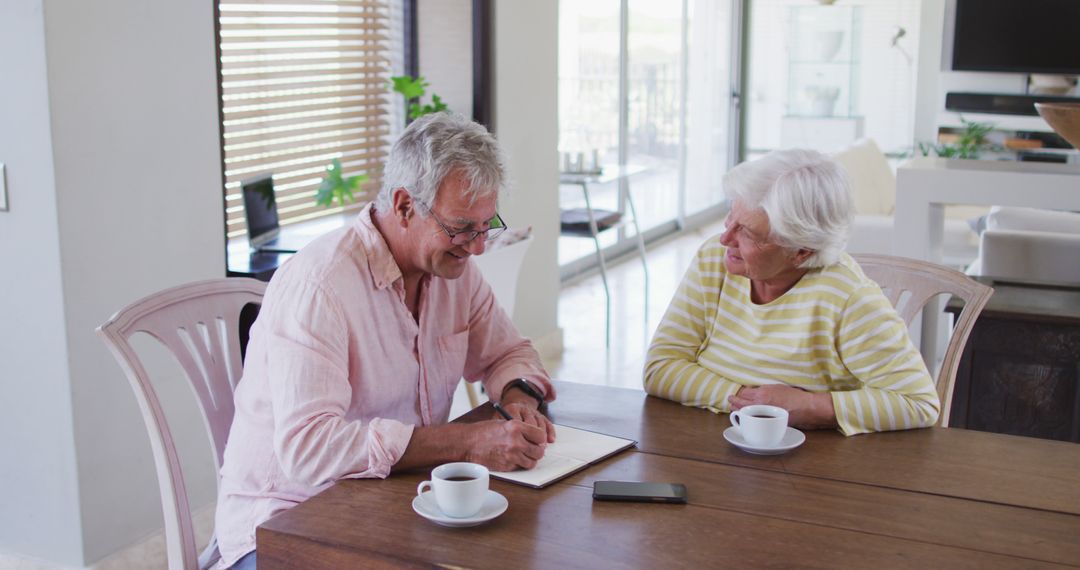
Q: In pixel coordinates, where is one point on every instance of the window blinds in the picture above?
(303, 82)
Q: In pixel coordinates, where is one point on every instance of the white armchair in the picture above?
(874, 186)
(1030, 244)
(500, 266)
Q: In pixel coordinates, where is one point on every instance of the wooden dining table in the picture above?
(928, 498)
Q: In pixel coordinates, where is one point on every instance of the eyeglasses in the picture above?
(496, 226)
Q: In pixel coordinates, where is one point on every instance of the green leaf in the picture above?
(413, 90)
(437, 104)
(416, 111)
(409, 87)
(334, 186)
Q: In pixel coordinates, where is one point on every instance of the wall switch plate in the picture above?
(3, 190)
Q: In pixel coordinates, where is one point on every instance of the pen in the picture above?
(502, 411)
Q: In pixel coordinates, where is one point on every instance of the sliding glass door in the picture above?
(649, 86)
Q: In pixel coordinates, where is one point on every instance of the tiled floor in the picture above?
(585, 357)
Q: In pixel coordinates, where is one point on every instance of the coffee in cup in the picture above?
(761, 425)
(459, 488)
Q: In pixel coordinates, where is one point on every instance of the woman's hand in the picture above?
(808, 410)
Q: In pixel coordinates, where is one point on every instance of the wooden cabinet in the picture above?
(1020, 371)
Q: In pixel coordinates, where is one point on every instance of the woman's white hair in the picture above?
(434, 146)
(806, 196)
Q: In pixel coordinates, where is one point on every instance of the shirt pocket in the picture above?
(453, 349)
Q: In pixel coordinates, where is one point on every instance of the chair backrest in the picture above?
(501, 268)
(200, 324)
(909, 285)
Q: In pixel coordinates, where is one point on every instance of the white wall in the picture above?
(39, 507)
(445, 29)
(526, 123)
(525, 74)
(111, 140)
(138, 179)
(122, 200)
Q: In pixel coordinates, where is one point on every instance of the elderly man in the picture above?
(364, 335)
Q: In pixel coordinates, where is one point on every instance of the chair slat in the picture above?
(925, 281)
(187, 321)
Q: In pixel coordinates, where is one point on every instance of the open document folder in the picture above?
(574, 449)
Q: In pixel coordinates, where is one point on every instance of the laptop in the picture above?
(260, 212)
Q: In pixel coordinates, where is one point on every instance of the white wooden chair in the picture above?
(200, 324)
(909, 285)
(500, 268)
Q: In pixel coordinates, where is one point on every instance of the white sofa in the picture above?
(874, 185)
(1030, 244)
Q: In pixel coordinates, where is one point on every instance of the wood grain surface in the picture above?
(923, 498)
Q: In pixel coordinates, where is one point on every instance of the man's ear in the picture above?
(402, 204)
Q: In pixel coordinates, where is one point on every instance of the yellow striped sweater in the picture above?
(833, 331)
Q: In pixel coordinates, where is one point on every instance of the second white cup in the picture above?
(761, 425)
(460, 488)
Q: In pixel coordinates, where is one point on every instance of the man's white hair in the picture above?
(806, 196)
(433, 147)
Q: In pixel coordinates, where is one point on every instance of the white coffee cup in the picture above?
(460, 488)
(761, 425)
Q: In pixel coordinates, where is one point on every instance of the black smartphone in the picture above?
(639, 491)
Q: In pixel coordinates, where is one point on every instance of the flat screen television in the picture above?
(1020, 36)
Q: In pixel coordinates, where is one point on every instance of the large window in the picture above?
(303, 82)
(647, 84)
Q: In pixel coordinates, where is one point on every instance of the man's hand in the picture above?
(503, 445)
(805, 409)
(523, 408)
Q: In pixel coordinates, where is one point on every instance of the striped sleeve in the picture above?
(896, 390)
(671, 366)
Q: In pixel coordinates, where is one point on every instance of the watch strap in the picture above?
(527, 387)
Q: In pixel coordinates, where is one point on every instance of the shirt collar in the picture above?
(384, 269)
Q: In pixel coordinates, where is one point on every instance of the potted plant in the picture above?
(336, 186)
(969, 143)
(413, 88)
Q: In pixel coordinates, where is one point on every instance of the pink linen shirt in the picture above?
(338, 373)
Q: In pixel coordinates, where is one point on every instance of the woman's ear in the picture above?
(801, 255)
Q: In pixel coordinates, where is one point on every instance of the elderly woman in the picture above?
(772, 311)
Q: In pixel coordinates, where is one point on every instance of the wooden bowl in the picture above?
(1064, 118)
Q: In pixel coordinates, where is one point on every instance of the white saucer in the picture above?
(792, 438)
(494, 505)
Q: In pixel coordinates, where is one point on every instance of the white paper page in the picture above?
(573, 448)
(584, 445)
(552, 466)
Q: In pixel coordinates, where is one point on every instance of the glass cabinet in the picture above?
(823, 63)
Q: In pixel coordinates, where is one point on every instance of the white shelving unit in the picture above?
(823, 77)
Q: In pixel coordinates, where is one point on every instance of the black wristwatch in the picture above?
(527, 387)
